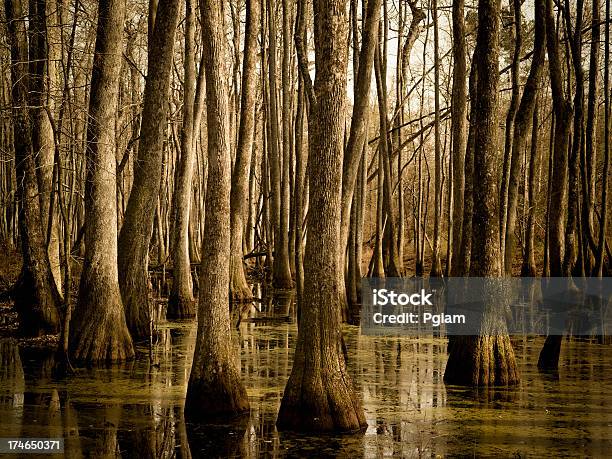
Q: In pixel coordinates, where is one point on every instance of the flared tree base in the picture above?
(240, 291)
(481, 361)
(216, 395)
(528, 270)
(322, 401)
(354, 313)
(100, 335)
(135, 292)
(180, 307)
(37, 305)
(281, 275)
(549, 355)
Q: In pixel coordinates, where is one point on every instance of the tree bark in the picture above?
(459, 119)
(36, 294)
(487, 359)
(301, 151)
(319, 395)
(353, 148)
(180, 301)
(563, 116)
(286, 114)
(522, 126)
(215, 389)
(462, 267)
(137, 228)
(99, 332)
(589, 159)
(393, 265)
(436, 265)
(529, 264)
(44, 45)
(515, 69)
(239, 288)
(281, 273)
(549, 355)
(599, 258)
(573, 196)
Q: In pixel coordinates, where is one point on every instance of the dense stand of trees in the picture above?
(301, 144)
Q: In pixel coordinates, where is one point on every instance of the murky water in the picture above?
(136, 410)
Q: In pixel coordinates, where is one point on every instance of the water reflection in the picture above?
(136, 410)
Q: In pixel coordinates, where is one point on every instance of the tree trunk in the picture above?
(523, 119)
(393, 265)
(487, 359)
(137, 227)
(99, 332)
(510, 118)
(286, 114)
(319, 395)
(549, 355)
(462, 267)
(459, 141)
(301, 153)
(180, 301)
(436, 266)
(353, 148)
(573, 195)
(563, 116)
(378, 268)
(239, 288)
(281, 272)
(599, 258)
(529, 265)
(43, 136)
(215, 389)
(36, 294)
(589, 157)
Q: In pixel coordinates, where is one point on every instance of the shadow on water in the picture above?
(136, 410)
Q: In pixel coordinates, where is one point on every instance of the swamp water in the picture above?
(136, 411)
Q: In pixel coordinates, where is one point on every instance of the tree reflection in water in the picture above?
(136, 411)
